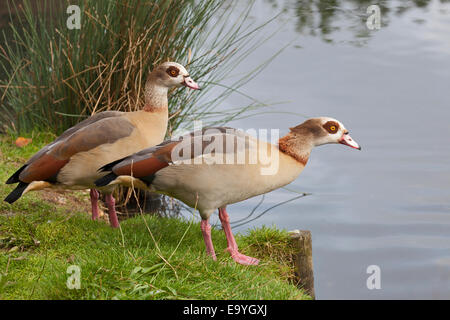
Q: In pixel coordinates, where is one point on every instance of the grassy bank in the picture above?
(148, 258)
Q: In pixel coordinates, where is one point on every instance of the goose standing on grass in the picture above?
(214, 167)
(72, 160)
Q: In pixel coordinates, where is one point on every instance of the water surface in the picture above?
(389, 204)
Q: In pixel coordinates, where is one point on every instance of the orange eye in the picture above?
(173, 71)
(331, 127)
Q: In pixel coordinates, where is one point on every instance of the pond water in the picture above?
(389, 204)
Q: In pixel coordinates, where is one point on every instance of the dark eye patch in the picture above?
(173, 71)
(331, 126)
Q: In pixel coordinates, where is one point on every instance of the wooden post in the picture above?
(303, 260)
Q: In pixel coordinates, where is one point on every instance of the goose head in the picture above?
(172, 74)
(324, 130)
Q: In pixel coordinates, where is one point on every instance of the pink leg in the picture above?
(111, 203)
(94, 203)
(206, 230)
(231, 242)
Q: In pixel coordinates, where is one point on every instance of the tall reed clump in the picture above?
(55, 76)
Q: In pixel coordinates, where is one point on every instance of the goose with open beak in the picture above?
(72, 160)
(188, 82)
(228, 167)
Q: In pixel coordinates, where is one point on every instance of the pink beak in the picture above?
(188, 82)
(348, 141)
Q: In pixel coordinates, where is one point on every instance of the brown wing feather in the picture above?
(44, 168)
(47, 163)
(142, 168)
(151, 160)
(69, 132)
(146, 162)
(102, 132)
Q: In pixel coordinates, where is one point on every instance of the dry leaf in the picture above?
(22, 142)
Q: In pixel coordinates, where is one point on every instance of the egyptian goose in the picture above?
(214, 167)
(72, 160)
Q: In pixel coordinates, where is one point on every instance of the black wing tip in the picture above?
(11, 180)
(15, 177)
(109, 166)
(16, 193)
(106, 179)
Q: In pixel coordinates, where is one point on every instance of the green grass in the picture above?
(44, 233)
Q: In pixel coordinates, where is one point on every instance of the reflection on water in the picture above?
(389, 204)
(343, 21)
